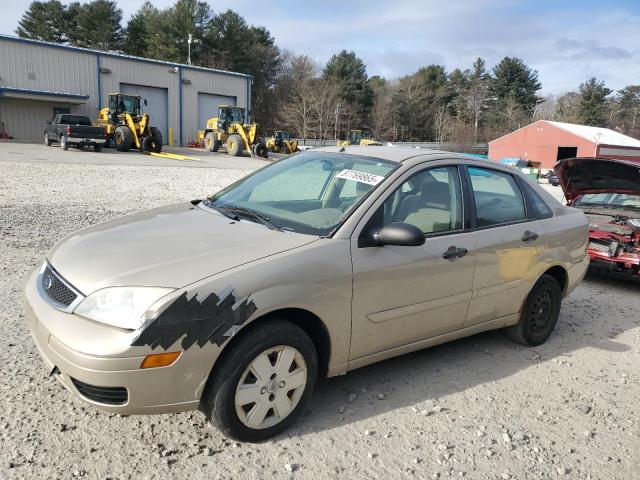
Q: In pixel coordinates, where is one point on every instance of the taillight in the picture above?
(68, 130)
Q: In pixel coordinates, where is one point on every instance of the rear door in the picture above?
(510, 244)
(403, 295)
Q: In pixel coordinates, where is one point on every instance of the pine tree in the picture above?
(44, 21)
(98, 25)
(139, 35)
(592, 103)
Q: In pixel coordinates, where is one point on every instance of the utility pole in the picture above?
(189, 40)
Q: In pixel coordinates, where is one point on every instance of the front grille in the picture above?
(106, 395)
(55, 288)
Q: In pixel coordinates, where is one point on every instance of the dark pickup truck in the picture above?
(74, 130)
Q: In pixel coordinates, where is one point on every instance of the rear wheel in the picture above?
(263, 383)
(158, 140)
(235, 145)
(539, 313)
(260, 149)
(63, 143)
(211, 142)
(47, 142)
(97, 148)
(122, 138)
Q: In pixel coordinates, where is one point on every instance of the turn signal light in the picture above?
(160, 360)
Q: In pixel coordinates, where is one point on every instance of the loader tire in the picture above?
(235, 145)
(159, 141)
(260, 150)
(211, 142)
(122, 138)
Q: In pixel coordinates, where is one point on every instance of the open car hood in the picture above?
(579, 176)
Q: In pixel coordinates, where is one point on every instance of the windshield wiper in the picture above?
(224, 211)
(266, 221)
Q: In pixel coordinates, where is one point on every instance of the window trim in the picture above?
(362, 243)
(472, 200)
(529, 192)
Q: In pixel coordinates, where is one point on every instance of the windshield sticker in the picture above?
(362, 177)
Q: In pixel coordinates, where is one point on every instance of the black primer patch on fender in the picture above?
(197, 321)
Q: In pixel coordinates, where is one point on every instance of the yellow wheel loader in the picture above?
(281, 142)
(358, 137)
(127, 127)
(229, 130)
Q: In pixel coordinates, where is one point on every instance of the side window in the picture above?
(431, 200)
(541, 208)
(497, 196)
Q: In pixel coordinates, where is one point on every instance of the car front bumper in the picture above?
(100, 378)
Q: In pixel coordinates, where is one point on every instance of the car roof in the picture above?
(395, 154)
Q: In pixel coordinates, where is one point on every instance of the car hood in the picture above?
(579, 176)
(170, 247)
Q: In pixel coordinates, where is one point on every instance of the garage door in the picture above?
(157, 105)
(208, 107)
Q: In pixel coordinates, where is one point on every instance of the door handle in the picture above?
(529, 236)
(453, 252)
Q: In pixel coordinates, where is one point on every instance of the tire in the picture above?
(268, 341)
(97, 148)
(63, 143)
(539, 313)
(107, 142)
(122, 138)
(235, 145)
(47, 142)
(211, 142)
(150, 144)
(157, 135)
(260, 149)
(285, 149)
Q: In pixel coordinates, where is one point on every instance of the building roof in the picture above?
(13, 38)
(597, 135)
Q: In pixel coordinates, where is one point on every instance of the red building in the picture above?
(547, 142)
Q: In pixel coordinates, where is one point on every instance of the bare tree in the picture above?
(382, 114)
(442, 124)
(296, 108)
(325, 95)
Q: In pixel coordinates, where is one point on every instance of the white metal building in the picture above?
(39, 79)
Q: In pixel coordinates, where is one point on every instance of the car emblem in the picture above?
(48, 282)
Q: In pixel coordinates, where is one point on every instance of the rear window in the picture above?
(497, 196)
(74, 120)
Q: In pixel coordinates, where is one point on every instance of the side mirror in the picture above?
(400, 234)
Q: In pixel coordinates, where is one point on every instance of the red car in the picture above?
(608, 192)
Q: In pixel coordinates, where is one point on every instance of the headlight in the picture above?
(122, 307)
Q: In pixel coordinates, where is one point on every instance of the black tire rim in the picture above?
(541, 312)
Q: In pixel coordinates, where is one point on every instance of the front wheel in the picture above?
(47, 142)
(63, 143)
(235, 145)
(539, 313)
(263, 383)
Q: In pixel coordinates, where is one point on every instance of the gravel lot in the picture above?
(481, 407)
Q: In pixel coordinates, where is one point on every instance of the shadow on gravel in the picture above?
(430, 374)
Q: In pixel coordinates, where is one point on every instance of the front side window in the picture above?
(497, 197)
(310, 192)
(430, 200)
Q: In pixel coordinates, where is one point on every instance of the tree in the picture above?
(513, 81)
(97, 25)
(234, 45)
(477, 93)
(592, 103)
(350, 73)
(382, 112)
(44, 21)
(139, 34)
(628, 102)
(295, 86)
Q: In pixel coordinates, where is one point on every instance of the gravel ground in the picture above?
(481, 407)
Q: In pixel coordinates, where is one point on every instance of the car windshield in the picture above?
(310, 192)
(612, 200)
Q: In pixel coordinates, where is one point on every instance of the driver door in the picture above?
(405, 294)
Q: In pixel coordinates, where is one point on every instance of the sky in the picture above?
(566, 41)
